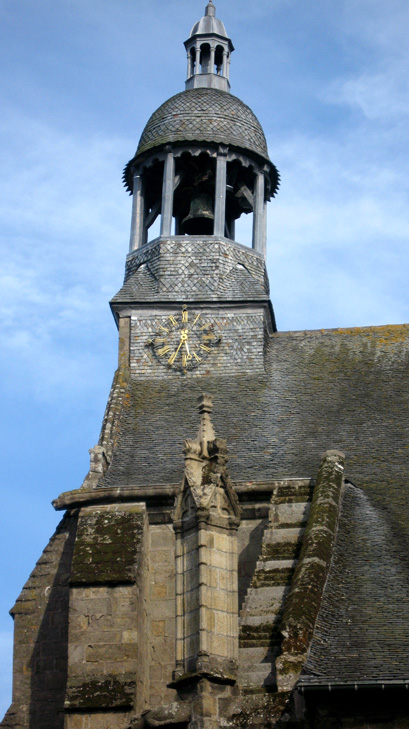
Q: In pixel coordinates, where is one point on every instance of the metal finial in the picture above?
(210, 9)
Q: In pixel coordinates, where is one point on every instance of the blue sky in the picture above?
(78, 80)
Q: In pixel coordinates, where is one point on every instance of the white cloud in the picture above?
(380, 96)
(338, 235)
(64, 217)
(339, 229)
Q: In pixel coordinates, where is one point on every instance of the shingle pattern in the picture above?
(366, 598)
(204, 115)
(199, 269)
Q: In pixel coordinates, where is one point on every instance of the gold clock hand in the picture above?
(174, 355)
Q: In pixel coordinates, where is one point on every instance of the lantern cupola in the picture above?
(208, 53)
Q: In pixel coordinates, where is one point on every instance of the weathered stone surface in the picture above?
(107, 545)
(41, 637)
(108, 660)
(304, 599)
(108, 692)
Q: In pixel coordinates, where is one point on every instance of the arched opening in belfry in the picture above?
(193, 202)
(205, 58)
(218, 60)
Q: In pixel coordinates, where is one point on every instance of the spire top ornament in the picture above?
(209, 50)
(206, 431)
(210, 9)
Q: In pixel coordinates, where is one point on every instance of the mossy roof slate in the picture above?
(341, 388)
(361, 633)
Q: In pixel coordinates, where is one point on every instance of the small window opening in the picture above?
(218, 61)
(205, 58)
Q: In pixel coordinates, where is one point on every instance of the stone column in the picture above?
(258, 218)
(189, 64)
(138, 213)
(212, 50)
(224, 68)
(220, 195)
(167, 194)
(197, 64)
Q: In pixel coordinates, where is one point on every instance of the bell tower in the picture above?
(202, 159)
(201, 163)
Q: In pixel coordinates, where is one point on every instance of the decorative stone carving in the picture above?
(98, 466)
(206, 479)
(206, 519)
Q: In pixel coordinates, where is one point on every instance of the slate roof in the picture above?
(366, 598)
(341, 388)
(208, 115)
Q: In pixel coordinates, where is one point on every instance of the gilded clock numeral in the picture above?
(185, 316)
(184, 360)
(205, 347)
(172, 358)
(160, 339)
(163, 350)
(199, 315)
(163, 328)
(172, 320)
(198, 359)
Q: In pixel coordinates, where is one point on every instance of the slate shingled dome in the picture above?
(204, 115)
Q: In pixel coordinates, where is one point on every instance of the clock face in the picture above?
(183, 340)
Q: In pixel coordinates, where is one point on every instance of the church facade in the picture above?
(238, 554)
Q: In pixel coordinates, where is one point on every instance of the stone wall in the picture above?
(108, 648)
(41, 637)
(162, 612)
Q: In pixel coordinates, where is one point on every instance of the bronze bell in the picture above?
(199, 221)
